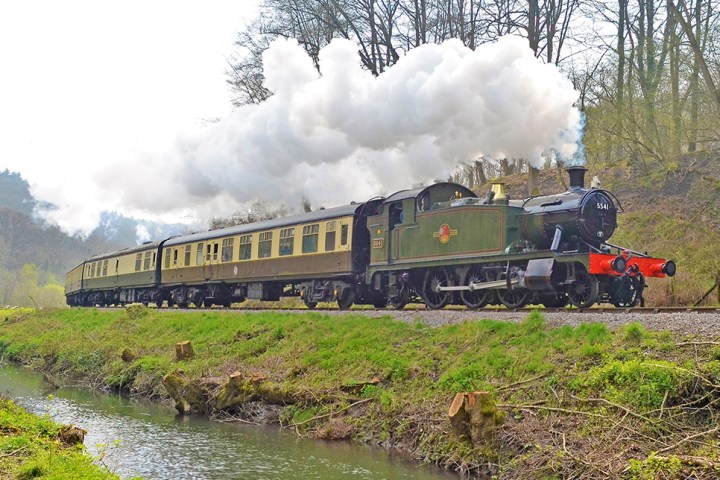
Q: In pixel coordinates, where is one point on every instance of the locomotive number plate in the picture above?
(378, 243)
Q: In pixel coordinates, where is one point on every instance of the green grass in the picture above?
(320, 358)
(29, 448)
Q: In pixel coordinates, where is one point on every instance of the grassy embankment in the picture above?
(36, 447)
(571, 402)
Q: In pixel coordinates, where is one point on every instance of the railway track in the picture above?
(421, 308)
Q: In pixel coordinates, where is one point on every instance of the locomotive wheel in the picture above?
(346, 299)
(476, 298)
(584, 293)
(554, 300)
(435, 278)
(403, 297)
(513, 298)
(629, 293)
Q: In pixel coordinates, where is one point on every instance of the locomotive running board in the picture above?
(477, 286)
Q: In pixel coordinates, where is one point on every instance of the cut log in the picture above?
(474, 417)
(184, 350)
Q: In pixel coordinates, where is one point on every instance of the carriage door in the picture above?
(395, 219)
(211, 260)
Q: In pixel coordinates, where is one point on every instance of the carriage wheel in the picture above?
(208, 303)
(475, 298)
(584, 293)
(435, 278)
(310, 305)
(198, 299)
(346, 298)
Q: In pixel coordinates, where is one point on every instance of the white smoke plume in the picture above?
(343, 134)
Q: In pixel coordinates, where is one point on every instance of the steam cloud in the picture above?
(347, 135)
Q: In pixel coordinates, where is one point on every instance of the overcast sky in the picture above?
(87, 83)
(105, 107)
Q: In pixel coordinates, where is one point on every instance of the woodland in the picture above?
(647, 74)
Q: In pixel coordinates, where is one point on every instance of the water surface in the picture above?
(142, 439)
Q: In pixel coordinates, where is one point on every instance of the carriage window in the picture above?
(167, 258)
(198, 259)
(343, 235)
(117, 265)
(227, 249)
(146, 265)
(310, 238)
(138, 262)
(92, 270)
(175, 256)
(207, 254)
(154, 258)
(188, 254)
(215, 251)
(265, 245)
(330, 237)
(105, 264)
(245, 247)
(287, 240)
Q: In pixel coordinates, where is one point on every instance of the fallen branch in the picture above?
(620, 407)
(552, 409)
(682, 344)
(691, 461)
(521, 382)
(14, 452)
(331, 413)
(688, 438)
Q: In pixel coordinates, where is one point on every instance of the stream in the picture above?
(134, 438)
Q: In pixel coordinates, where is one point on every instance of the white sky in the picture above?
(85, 84)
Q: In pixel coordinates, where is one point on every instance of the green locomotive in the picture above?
(438, 245)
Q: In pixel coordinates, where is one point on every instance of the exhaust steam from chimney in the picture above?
(344, 134)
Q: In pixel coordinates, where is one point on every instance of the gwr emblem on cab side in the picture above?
(445, 232)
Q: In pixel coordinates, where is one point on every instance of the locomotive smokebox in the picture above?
(577, 176)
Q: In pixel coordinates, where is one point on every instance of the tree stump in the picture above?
(71, 435)
(184, 351)
(474, 417)
(127, 355)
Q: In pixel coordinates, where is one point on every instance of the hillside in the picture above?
(668, 212)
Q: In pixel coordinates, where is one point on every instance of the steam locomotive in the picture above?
(438, 245)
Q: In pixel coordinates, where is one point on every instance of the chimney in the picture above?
(577, 176)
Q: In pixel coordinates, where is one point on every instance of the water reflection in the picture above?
(148, 440)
